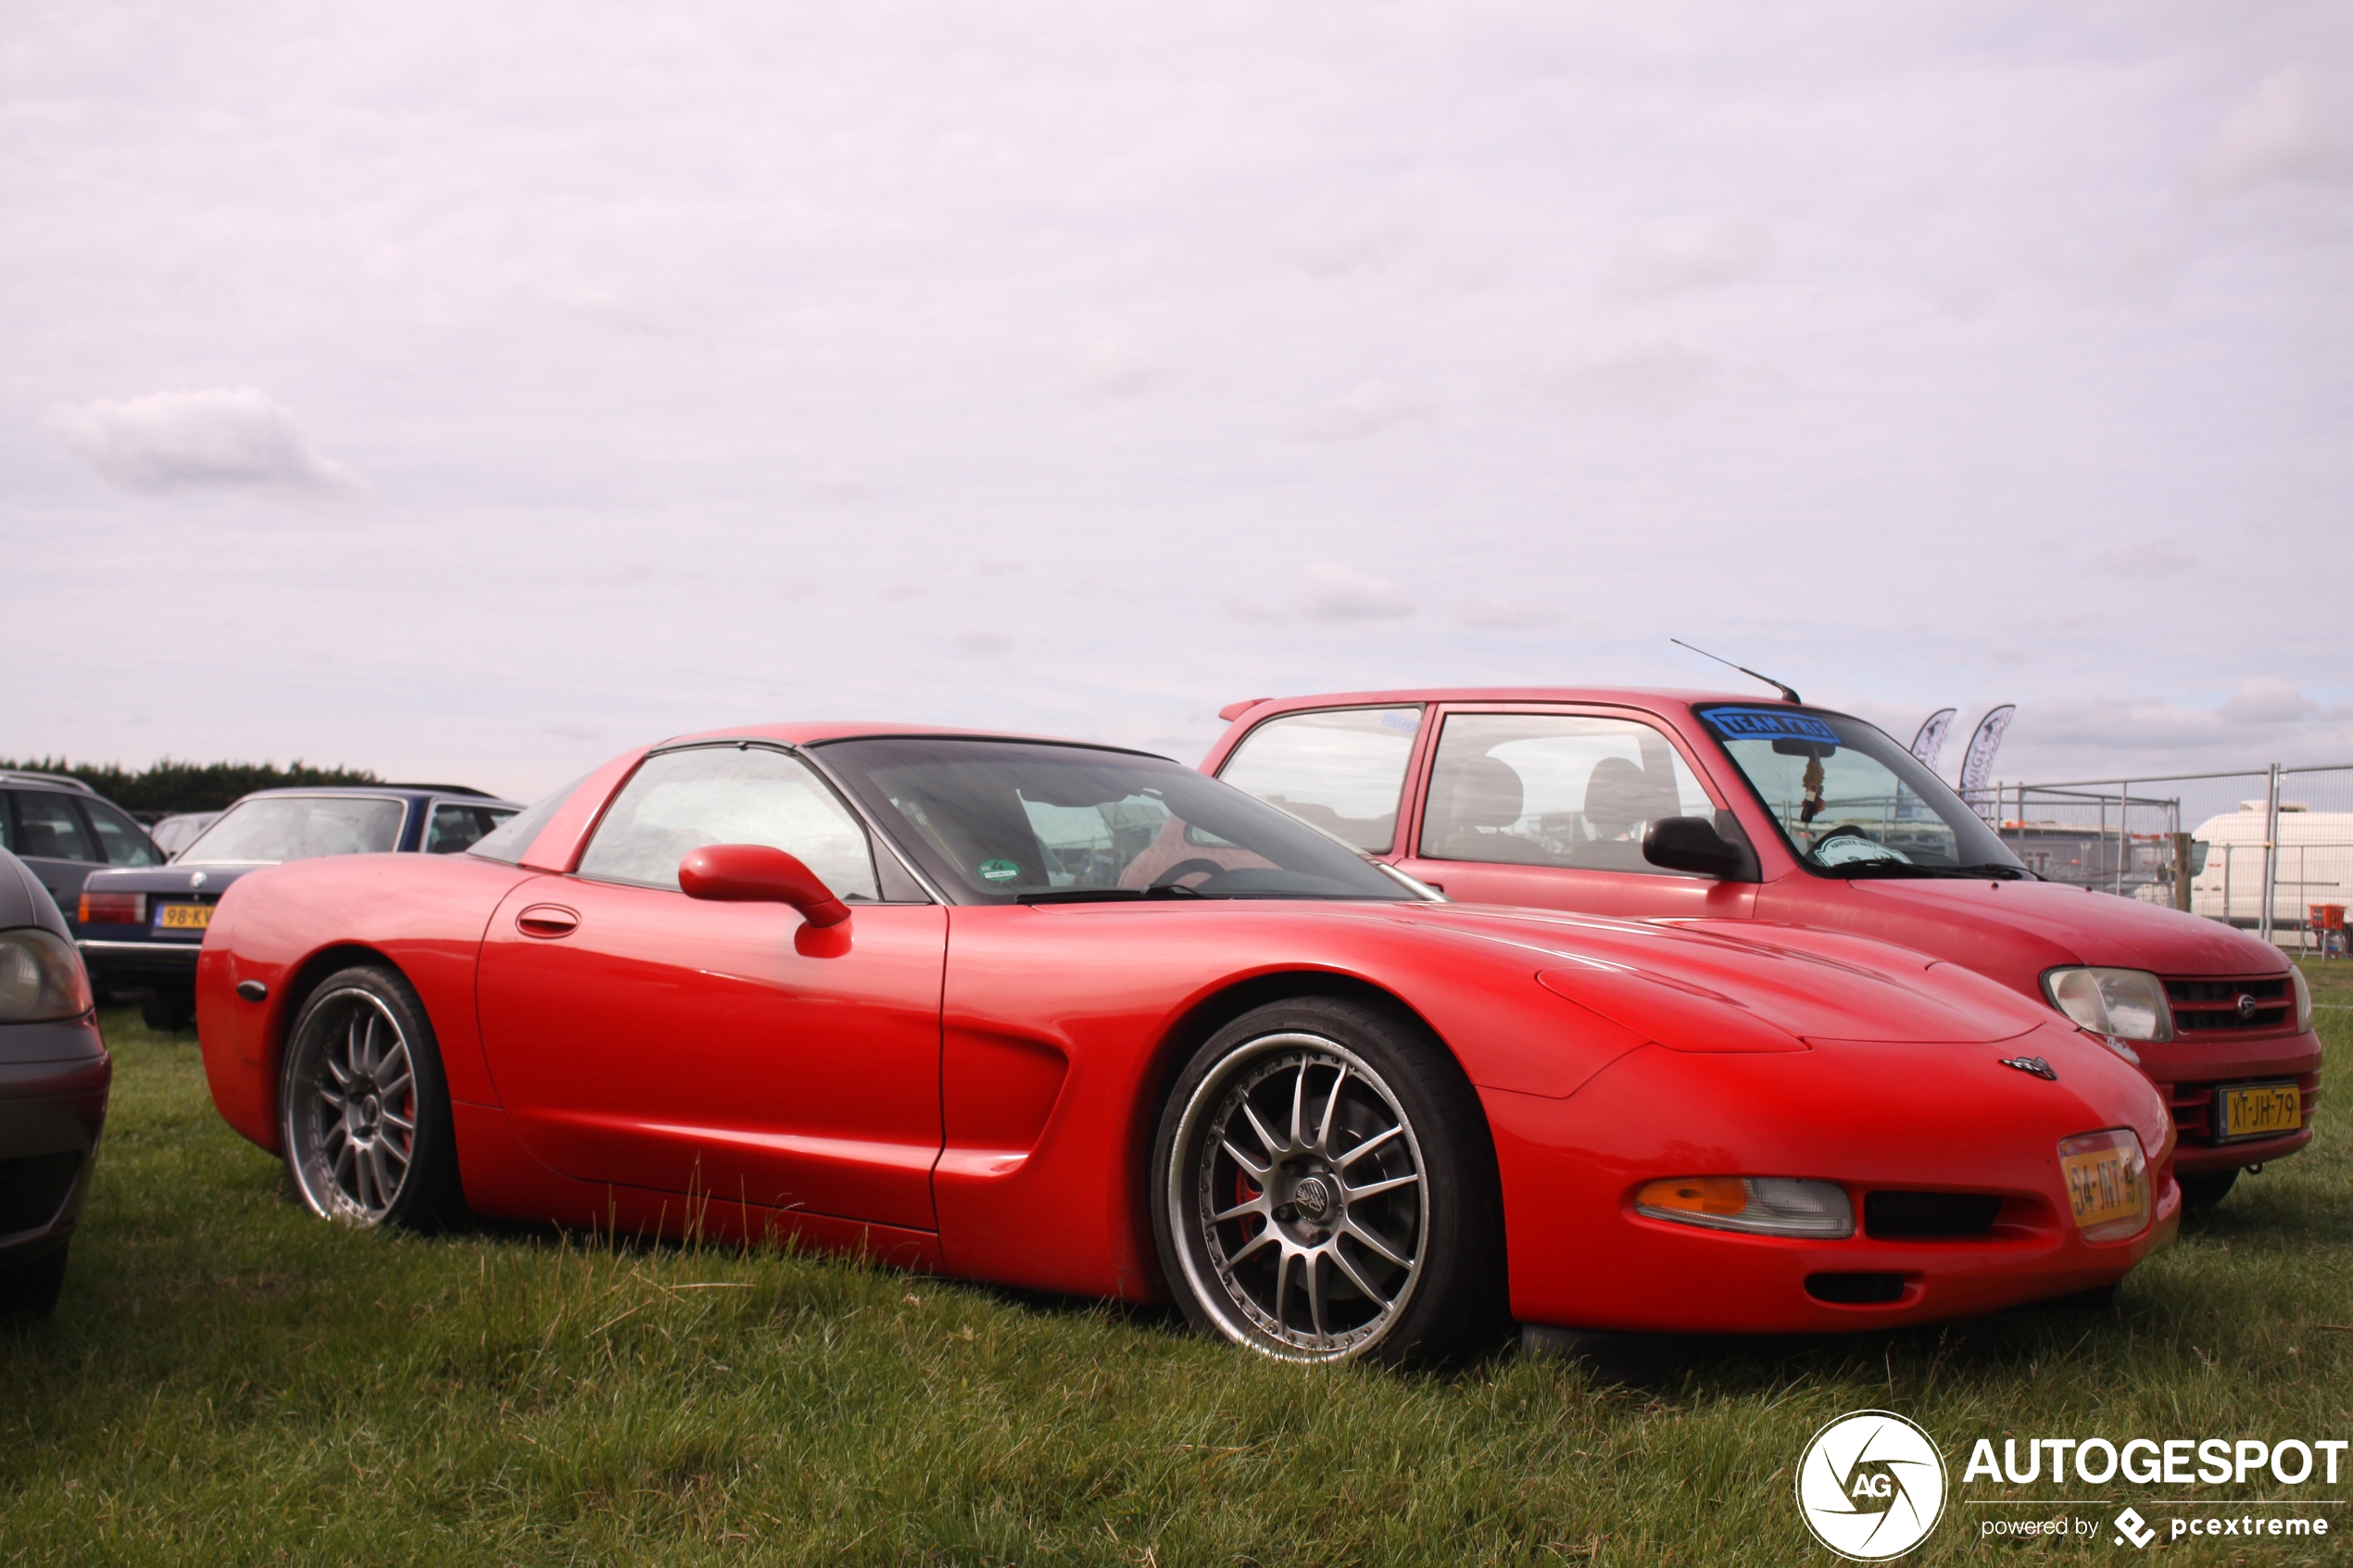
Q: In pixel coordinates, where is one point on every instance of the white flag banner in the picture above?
(1928, 745)
(1976, 763)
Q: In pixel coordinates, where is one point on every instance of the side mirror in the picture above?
(755, 873)
(1691, 844)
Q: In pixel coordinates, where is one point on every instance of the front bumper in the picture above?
(2189, 1070)
(123, 961)
(1941, 1119)
(54, 1079)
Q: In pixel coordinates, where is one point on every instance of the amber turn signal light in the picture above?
(1760, 1205)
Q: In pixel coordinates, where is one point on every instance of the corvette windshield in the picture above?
(1008, 822)
(1852, 802)
(297, 827)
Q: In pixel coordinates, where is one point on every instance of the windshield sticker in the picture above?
(999, 871)
(1754, 723)
(1406, 722)
(1849, 846)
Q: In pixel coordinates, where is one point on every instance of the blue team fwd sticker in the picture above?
(1765, 723)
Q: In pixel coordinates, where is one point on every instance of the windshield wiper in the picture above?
(1990, 870)
(1109, 894)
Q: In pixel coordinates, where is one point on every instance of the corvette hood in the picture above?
(1743, 986)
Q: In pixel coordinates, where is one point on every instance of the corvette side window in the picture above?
(1341, 770)
(1539, 789)
(682, 800)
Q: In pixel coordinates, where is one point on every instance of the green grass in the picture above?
(229, 1380)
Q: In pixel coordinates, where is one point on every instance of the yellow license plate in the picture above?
(2260, 1108)
(2101, 1186)
(184, 916)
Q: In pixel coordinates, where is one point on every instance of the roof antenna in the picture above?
(1789, 693)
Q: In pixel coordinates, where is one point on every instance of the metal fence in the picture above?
(2268, 850)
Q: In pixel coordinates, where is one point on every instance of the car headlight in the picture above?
(1760, 1205)
(41, 977)
(2303, 989)
(2128, 1003)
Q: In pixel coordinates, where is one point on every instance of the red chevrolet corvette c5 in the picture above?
(1081, 1018)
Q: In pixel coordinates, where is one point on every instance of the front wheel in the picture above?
(363, 1110)
(1323, 1188)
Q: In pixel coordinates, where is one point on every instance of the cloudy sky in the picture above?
(470, 391)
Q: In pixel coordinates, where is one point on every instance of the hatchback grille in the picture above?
(2204, 1006)
(1919, 1216)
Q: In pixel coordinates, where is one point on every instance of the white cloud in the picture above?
(1372, 406)
(2266, 700)
(1690, 256)
(1328, 592)
(2160, 558)
(1332, 242)
(2290, 129)
(1116, 368)
(1507, 615)
(984, 641)
(225, 439)
(1630, 368)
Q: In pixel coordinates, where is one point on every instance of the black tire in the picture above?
(2207, 1189)
(1320, 1092)
(364, 1109)
(31, 1289)
(167, 1012)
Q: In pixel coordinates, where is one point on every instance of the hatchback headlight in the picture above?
(2303, 989)
(1760, 1205)
(41, 977)
(2128, 1003)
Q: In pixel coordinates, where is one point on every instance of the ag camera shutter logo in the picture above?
(1870, 1486)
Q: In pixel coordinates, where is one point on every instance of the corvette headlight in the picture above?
(2303, 989)
(1760, 1205)
(2129, 1003)
(41, 977)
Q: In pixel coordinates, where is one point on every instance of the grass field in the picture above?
(229, 1380)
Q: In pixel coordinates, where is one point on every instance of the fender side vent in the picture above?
(1855, 1290)
(1929, 1216)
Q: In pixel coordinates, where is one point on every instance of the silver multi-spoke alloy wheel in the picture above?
(1301, 1215)
(351, 1107)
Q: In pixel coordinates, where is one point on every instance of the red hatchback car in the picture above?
(1689, 806)
(1079, 1019)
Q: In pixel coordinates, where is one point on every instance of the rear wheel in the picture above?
(2207, 1189)
(364, 1110)
(1323, 1188)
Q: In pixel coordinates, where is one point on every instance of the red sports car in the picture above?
(1081, 1018)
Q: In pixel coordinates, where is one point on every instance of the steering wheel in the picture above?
(1185, 868)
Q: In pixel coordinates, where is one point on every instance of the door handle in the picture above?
(547, 919)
